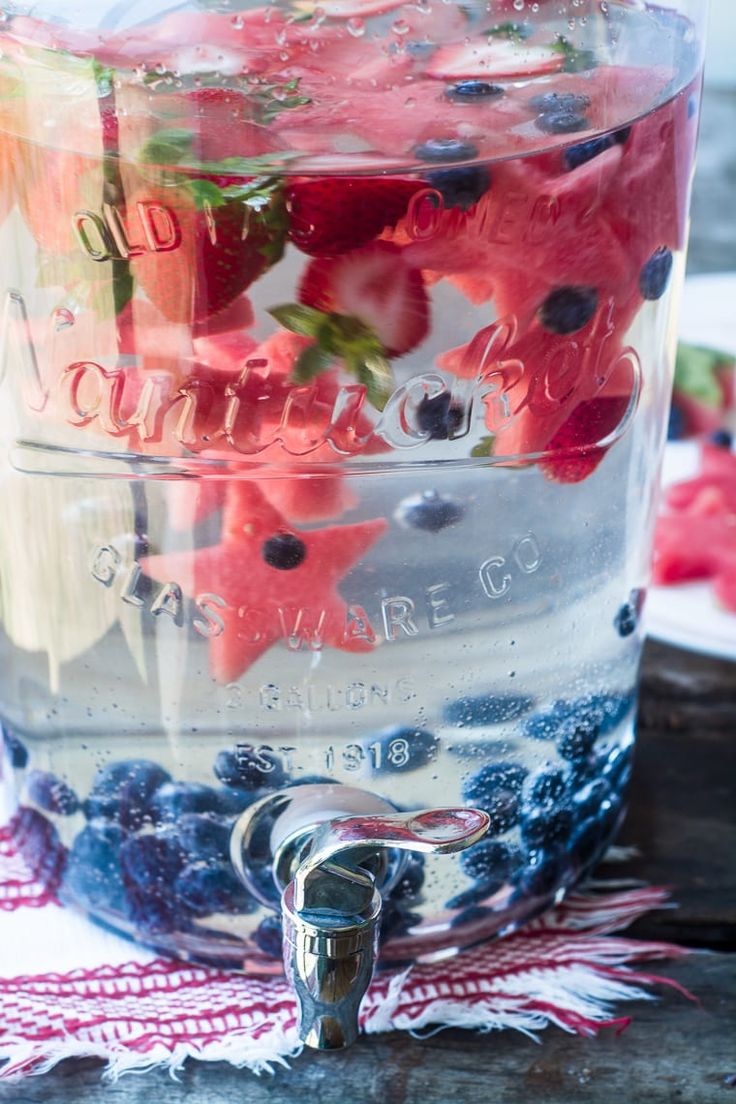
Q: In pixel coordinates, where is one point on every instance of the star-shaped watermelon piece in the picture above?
(277, 583)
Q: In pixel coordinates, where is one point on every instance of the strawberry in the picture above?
(574, 448)
(494, 60)
(225, 245)
(375, 286)
(330, 215)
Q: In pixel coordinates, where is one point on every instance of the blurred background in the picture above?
(713, 241)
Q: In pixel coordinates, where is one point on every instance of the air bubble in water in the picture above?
(237, 22)
(400, 27)
(519, 5)
(356, 26)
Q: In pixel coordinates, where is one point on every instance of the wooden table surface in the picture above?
(681, 818)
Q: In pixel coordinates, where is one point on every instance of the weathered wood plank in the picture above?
(675, 1052)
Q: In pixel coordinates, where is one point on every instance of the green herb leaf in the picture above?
(576, 61)
(516, 32)
(484, 447)
(205, 194)
(299, 319)
(311, 362)
(166, 147)
(696, 373)
(373, 370)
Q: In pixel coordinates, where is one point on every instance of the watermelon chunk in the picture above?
(297, 601)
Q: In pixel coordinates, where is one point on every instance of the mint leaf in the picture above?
(516, 32)
(205, 193)
(576, 61)
(373, 370)
(484, 447)
(166, 147)
(696, 373)
(310, 363)
(305, 321)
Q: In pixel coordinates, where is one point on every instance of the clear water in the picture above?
(488, 617)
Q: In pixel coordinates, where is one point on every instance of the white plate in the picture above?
(686, 615)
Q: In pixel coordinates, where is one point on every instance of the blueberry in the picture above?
(676, 425)
(487, 709)
(575, 156)
(93, 873)
(268, 936)
(461, 187)
(592, 799)
(407, 749)
(551, 102)
(609, 710)
(575, 741)
(625, 621)
(469, 91)
(50, 793)
(617, 770)
(152, 913)
(481, 891)
(16, 751)
(204, 836)
(541, 827)
(439, 417)
(655, 274)
(496, 788)
(468, 915)
(489, 861)
(248, 769)
(443, 150)
(38, 842)
(396, 921)
(546, 787)
(430, 512)
(172, 800)
(692, 105)
(205, 888)
(409, 885)
(151, 861)
(314, 780)
(562, 122)
(721, 438)
(545, 724)
(544, 873)
(122, 791)
(285, 551)
(586, 842)
(568, 309)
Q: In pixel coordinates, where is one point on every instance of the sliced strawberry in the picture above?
(376, 286)
(221, 251)
(575, 453)
(687, 549)
(499, 59)
(332, 215)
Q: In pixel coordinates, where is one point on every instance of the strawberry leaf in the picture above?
(484, 447)
(311, 362)
(305, 321)
(205, 194)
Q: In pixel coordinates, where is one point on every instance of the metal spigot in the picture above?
(331, 903)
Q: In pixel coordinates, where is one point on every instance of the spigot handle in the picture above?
(435, 831)
(332, 910)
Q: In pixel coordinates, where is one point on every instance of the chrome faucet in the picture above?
(323, 853)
